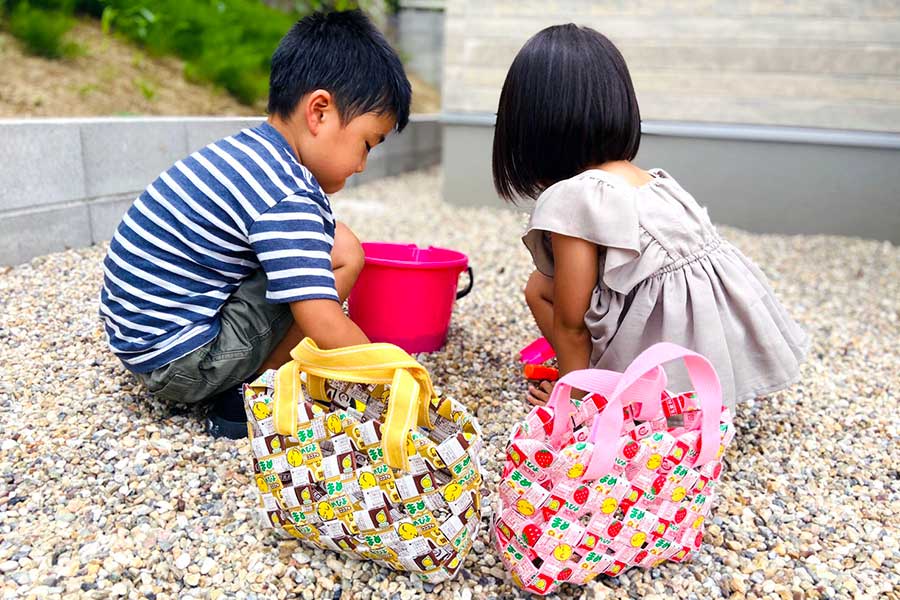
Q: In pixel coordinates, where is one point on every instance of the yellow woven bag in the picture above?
(354, 452)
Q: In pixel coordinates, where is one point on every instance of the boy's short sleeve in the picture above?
(293, 242)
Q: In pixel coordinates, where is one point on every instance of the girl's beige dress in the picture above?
(666, 275)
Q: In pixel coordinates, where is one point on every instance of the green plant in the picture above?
(63, 6)
(146, 87)
(227, 42)
(87, 89)
(42, 31)
(93, 8)
(314, 5)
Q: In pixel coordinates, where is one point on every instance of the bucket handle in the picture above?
(465, 292)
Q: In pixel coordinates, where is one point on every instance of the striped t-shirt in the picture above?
(201, 228)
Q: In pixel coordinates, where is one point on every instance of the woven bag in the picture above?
(354, 452)
(624, 477)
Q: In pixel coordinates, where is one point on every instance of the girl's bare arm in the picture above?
(576, 266)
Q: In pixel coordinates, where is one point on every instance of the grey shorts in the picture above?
(251, 329)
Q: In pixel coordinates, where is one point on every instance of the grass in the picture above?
(42, 32)
(86, 90)
(148, 90)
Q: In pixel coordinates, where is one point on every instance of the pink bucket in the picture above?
(405, 294)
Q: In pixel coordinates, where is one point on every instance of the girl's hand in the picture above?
(538, 395)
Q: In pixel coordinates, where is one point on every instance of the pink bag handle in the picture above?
(646, 390)
(608, 423)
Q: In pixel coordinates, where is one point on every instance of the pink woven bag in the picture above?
(624, 477)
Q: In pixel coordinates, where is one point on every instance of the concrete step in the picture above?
(706, 83)
(837, 30)
(857, 9)
(793, 112)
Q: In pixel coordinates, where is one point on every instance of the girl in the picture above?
(625, 257)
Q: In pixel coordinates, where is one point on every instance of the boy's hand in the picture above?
(540, 394)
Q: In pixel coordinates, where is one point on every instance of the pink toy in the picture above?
(405, 294)
(537, 352)
(606, 483)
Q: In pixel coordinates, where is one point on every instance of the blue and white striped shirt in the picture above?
(198, 231)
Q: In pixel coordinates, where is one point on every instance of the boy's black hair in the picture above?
(343, 53)
(567, 103)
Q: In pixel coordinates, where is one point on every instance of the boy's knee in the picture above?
(348, 251)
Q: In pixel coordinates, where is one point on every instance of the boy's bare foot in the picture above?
(538, 395)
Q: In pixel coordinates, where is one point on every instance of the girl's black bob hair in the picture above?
(567, 104)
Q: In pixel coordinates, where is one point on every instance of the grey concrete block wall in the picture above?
(65, 183)
(40, 164)
(420, 32)
(467, 165)
(24, 234)
(428, 136)
(201, 132)
(105, 214)
(113, 162)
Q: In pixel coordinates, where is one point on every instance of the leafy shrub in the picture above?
(93, 8)
(64, 6)
(42, 31)
(228, 42)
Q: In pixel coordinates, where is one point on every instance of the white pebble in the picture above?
(8, 565)
(207, 565)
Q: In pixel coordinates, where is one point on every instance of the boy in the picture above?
(232, 256)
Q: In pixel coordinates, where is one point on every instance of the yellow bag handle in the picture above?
(411, 389)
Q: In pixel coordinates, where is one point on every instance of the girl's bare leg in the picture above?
(539, 296)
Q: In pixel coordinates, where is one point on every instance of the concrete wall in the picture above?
(811, 63)
(65, 183)
(420, 38)
(763, 179)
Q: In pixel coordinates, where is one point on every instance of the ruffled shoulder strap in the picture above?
(588, 207)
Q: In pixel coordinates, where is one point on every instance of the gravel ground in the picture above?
(105, 493)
